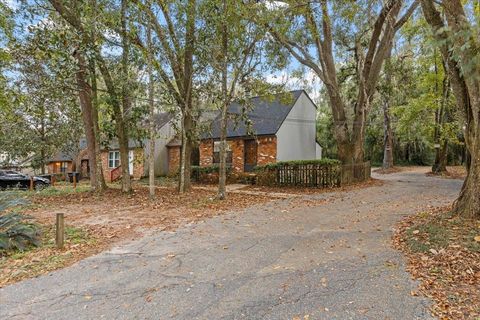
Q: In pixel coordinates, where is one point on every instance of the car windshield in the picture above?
(12, 172)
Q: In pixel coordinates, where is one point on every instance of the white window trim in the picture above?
(113, 157)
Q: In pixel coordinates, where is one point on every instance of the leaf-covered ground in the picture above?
(303, 190)
(453, 172)
(95, 222)
(443, 253)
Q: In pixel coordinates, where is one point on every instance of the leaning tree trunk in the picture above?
(468, 202)
(465, 87)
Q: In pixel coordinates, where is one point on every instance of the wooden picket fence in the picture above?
(315, 176)
(308, 175)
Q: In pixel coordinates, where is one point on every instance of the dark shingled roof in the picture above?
(61, 156)
(162, 119)
(266, 113)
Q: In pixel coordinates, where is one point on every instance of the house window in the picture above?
(216, 152)
(113, 159)
(63, 166)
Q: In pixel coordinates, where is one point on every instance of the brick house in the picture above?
(60, 163)
(110, 155)
(111, 161)
(281, 128)
(139, 150)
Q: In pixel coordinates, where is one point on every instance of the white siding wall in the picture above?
(319, 151)
(164, 135)
(296, 136)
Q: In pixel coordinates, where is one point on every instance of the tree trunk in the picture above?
(151, 156)
(387, 138)
(97, 162)
(85, 97)
(122, 132)
(188, 133)
(440, 165)
(465, 87)
(468, 202)
(186, 153)
(100, 179)
(387, 127)
(222, 170)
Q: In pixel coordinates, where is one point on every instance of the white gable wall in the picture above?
(296, 138)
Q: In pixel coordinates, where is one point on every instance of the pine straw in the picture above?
(444, 256)
(96, 222)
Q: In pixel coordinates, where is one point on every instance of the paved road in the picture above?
(330, 261)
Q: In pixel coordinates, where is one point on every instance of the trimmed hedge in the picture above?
(294, 163)
(209, 169)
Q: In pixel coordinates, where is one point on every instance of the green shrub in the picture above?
(17, 233)
(209, 169)
(294, 163)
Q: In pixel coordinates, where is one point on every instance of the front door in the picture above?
(85, 168)
(130, 162)
(250, 155)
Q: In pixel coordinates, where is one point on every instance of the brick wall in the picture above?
(237, 146)
(54, 167)
(138, 164)
(173, 159)
(266, 150)
(206, 153)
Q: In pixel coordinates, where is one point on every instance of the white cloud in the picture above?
(294, 80)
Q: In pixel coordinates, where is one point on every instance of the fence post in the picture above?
(74, 181)
(31, 183)
(60, 230)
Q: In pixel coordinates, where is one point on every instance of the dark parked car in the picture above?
(13, 179)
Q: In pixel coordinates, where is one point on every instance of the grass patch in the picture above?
(60, 190)
(440, 231)
(33, 261)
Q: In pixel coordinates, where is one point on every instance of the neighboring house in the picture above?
(139, 151)
(283, 127)
(61, 162)
(206, 119)
(111, 163)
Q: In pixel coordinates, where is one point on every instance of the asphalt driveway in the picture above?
(284, 260)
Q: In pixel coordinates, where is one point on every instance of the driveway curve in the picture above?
(283, 260)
